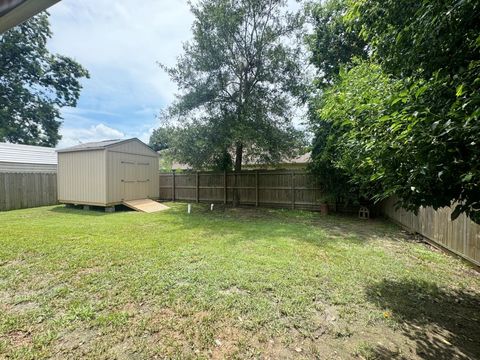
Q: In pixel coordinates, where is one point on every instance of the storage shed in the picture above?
(107, 173)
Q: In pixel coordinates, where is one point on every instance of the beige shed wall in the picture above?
(138, 172)
(81, 177)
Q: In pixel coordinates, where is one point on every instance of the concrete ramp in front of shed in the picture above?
(145, 205)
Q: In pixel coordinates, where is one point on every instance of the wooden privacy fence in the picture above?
(25, 190)
(461, 236)
(295, 190)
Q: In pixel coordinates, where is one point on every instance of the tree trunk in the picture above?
(238, 157)
(238, 168)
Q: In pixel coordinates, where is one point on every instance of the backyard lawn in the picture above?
(232, 283)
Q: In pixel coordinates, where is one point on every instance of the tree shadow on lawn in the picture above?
(445, 324)
(312, 227)
(302, 225)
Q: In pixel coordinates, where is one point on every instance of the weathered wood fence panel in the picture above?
(461, 236)
(296, 190)
(26, 190)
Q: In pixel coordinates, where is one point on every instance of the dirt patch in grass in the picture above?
(20, 338)
(123, 350)
(234, 290)
(5, 299)
(90, 270)
(24, 307)
(12, 263)
(226, 343)
(75, 341)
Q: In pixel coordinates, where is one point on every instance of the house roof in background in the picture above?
(302, 159)
(179, 166)
(27, 154)
(15, 12)
(299, 160)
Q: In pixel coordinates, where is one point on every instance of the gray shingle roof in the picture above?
(94, 145)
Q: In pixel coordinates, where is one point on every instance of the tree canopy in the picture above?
(161, 138)
(238, 80)
(34, 84)
(404, 119)
(332, 43)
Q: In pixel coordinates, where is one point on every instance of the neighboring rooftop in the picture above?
(302, 159)
(168, 162)
(297, 162)
(27, 154)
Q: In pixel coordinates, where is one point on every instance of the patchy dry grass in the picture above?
(233, 283)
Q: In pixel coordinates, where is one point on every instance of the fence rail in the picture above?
(461, 236)
(26, 190)
(296, 189)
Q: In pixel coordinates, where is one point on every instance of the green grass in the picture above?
(230, 283)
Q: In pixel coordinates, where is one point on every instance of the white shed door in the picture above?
(135, 180)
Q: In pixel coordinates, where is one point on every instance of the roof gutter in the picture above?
(15, 12)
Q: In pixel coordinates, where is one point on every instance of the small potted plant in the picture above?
(323, 203)
(324, 208)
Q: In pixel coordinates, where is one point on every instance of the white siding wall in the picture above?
(26, 168)
(82, 177)
(28, 154)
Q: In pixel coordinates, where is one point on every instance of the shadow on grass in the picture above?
(444, 324)
(254, 223)
(93, 210)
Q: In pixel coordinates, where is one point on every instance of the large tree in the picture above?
(161, 138)
(238, 79)
(34, 84)
(407, 119)
(332, 43)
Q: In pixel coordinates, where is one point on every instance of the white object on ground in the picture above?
(189, 208)
(211, 207)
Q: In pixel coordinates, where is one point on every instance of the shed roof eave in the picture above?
(62, 151)
(103, 145)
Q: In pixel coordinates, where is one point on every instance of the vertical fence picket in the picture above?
(198, 187)
(25, 190)
(292, 179)
(173, 185)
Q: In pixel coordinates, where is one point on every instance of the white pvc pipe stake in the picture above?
(189, 208)
(211, 207)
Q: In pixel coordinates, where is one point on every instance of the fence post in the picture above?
(225, 187)
(293, 190)
(256, 188)
(198, 188)
(173, 185)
